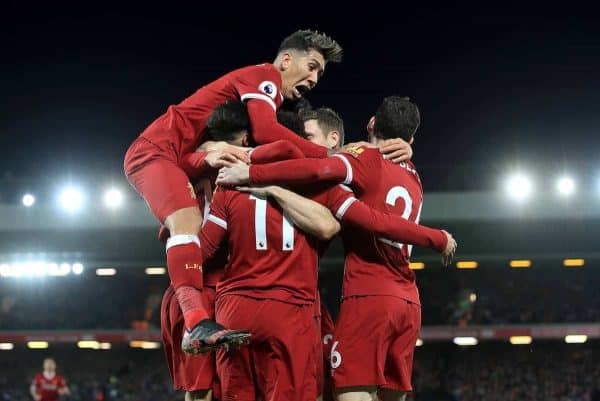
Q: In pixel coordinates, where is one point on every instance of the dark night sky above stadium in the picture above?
(496, 87)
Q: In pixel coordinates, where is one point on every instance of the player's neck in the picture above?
(49, 375)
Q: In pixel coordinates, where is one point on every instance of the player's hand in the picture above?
(357, 144)
(236, 174)
(262, 192)
(37, 397)
(239, 152)
(222, 158)
(448, 253)
(397, 150)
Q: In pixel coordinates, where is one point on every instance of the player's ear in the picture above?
(411, 140)
(245, 141)
(286, 60)
(335, 139)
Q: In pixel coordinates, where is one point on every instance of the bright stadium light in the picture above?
(565, 186)
(520, 340)
(465, 341)
(105, 346)
(113, 198)
(144, 344)
(77, 268)
(71, 199)
(6, 346)
(575, 338)
(89, 344)
(28, 200)
(106, 271)
(519, 187)
(37, 344)
(155, 271)
(419, 342)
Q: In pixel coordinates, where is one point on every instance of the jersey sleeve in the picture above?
(300, 172)
(266, 129)
(354, 212)
(214, 229)
(359, 163)
(261, 82)
(194, 165)
(276, 151)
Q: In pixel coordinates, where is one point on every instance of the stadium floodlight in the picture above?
(71, 199)
(113, 198)
(144, 344)
(573, 262)
(106, 271)
(519, 187)
(465, 341)
(472, 297)
(520, 340)
(105, 346)
(155, 270)
(419, 342)
(28, 200)
(467, 264)
(565, 186)
(6, 346)
(77, 268)
(89, 344)
(520, 264)
(416, 265)
(575, 338)
(37, 344)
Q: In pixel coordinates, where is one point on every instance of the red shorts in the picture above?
(154, 173)
(279, 363)
(374, 342)
(189, 373)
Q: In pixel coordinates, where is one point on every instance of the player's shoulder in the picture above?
(257, 70)
(362, 152)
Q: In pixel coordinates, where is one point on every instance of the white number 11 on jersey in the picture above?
(260, 227)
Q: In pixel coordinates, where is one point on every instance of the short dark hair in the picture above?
(291, 121)
(327, 119)
(397, 117)
(227, 121)
(306, 39)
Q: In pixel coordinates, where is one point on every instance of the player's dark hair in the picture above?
(306, 39)
(227, 121)
(327, 119)
(397, 117)
(291, 121)
(297, 106)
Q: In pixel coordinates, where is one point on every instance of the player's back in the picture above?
(378, 266)
(183, 126)
(268, 256)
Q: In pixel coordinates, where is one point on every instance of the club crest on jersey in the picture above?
(268, 88)
(355, 150)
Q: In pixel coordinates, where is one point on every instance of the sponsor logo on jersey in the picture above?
(355, 150)
(268, 88)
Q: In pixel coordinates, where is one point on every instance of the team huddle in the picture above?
(249, 196)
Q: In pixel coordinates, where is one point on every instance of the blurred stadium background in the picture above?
(514, 318)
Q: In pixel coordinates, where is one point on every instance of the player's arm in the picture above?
(352, 211)
(214, 230)
(63, 389)
(211, 155)
(308, 215)
(266, 129)
(33, 390)
(275, 151)
(288, 172)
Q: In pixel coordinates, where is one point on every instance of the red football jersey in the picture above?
(376, 265)
(183, 127)
(269, 258)
(48, 386)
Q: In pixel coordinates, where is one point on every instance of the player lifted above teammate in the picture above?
(152, 161)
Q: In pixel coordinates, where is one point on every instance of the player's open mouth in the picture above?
(300, 90)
